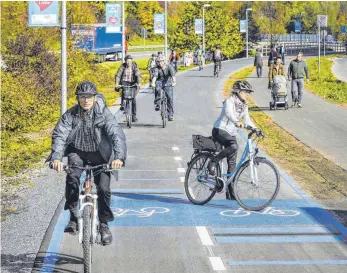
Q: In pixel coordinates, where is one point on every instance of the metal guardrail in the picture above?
(146, 47)
(308, 47)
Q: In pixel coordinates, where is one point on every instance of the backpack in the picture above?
(217, 54)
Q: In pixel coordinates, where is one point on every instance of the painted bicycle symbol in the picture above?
(240, 212)
(144, 212)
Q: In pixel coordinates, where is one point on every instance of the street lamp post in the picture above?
(203, 25)
(247, 31)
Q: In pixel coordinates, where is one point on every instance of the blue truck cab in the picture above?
(94, 38)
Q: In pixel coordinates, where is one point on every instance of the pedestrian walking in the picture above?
(258, 62)
(296, 73)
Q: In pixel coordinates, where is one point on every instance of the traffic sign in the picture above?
(143, 33)
(322, 20)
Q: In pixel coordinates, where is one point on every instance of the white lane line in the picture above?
(177, 158)
(217, 263)
(182, 179)
(204, 236)
(175, 148)
(181, 170)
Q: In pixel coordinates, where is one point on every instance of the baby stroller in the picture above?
(279, 97)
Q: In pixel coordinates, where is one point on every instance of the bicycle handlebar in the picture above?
(256, 131)
(129, 86)
(105, 167)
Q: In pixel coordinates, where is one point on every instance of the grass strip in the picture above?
(314, 173)
(325, 84)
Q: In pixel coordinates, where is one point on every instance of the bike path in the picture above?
(156, 229)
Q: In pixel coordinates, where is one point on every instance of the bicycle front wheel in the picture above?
(200, 190)
(129, 113)
(260, 193)
(164, 112)
(87, 247)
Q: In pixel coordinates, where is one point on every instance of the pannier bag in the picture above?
(202, 143)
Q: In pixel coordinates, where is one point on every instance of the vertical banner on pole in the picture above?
(243, 26)
(159, 23)
(113, 18)
(43, 14)
(343, 30)
(198, 26)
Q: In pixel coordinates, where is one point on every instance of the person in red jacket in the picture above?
(174, 59)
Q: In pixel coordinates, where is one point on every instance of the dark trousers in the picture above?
(133, 101)
(230, 149)
(259, 70)
(297, 84)
(219, 63)
(168, 91)
(102, 182)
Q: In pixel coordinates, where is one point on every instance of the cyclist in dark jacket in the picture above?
(217, 59)
(164, 79)
(88, 133)
(128, 74)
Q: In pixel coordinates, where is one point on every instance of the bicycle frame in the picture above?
(248, 152)
(87, 185)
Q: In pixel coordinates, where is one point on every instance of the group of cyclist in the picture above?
(88, 133)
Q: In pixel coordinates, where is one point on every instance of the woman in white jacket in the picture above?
(235, 108)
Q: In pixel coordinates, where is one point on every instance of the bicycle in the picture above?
(129, 94)
(217, 68)
(247, 176)
(87, 215)
(163, 106)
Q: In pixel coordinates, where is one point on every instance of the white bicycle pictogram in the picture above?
(144, 212)
(240, 212)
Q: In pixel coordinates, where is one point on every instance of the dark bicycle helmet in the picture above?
(86, 88)
(217, 46)
(242, 86)
(154, 55)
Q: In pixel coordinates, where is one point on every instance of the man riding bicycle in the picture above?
(224, 130)
(164, 79)
(217, 59)
(151, 65)
(200, 56)
(128, 74)
(88, 133)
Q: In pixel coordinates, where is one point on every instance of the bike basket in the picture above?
(129, 93)
(202, 143)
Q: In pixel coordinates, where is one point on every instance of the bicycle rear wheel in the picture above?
(200, 192)
(164, 112)
(87, 247)
(256, 197)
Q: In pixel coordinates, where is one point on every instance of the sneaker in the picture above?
(121, 108)
(171, 118)
(106, 236)
(293, 103)
(135, 119)
(157, 107)
(71, 227)
(299, 105)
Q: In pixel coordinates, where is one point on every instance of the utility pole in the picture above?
(249, 9)
(63, 104)
(166, 58)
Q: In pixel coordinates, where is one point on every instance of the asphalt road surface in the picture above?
(156, 229)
